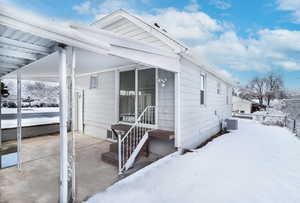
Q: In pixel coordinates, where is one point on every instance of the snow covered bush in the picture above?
(274, 120)
(270, 117)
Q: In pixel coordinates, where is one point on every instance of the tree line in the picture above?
(266, 88)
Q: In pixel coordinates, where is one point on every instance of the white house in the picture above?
(240, 105)
(125, 77)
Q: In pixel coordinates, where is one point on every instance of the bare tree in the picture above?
(274, 87)
(4, 90)
(257, 87)
(42, 91)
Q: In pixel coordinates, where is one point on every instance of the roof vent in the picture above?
(156, 25)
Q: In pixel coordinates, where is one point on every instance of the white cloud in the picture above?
(193, 6)
(220, 4)
(185, 25)
(108, 6)
(292, 6)
(272, 48)
(95, 8)
(84, 8)
(280, 39)
(289, 65)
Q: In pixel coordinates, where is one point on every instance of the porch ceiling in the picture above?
(18, 49)
(47, 68)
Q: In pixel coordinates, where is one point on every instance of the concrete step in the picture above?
(110, 158)
(162, 134)
(113, 147)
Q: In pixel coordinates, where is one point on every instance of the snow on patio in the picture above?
(254, 164)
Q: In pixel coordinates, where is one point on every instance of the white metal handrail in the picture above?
(129, 144)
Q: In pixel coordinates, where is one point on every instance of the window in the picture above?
(227, 95)
(219, 88)
(94, 81)
(202, 89)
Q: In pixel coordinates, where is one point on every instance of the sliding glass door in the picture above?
(144, 89)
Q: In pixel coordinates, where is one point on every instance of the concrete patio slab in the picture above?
(38, 180)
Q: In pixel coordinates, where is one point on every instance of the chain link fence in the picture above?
(280, 120)
(283, 121)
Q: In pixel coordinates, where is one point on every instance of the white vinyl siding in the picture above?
(99, 104)
(166, 101)
(198, 124)
(128, 29)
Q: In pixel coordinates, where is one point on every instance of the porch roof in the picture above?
(29, 42)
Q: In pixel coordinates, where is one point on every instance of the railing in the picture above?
(132, 142)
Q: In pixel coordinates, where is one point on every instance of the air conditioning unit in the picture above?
(231, 124)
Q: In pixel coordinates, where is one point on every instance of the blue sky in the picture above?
(244, 38)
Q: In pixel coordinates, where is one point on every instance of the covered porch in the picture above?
(92, 68)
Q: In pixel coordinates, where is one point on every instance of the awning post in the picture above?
(63, 182)
(0, 117)
(73, 69)
(19, 120)
(178, 141)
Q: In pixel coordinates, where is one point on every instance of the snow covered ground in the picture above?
(255, 164)
(29, 121)
(30, 110)
(38, 120)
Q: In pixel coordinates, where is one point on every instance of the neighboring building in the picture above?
(240, 105)
(133, 79)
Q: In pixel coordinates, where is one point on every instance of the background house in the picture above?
(240, 105)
